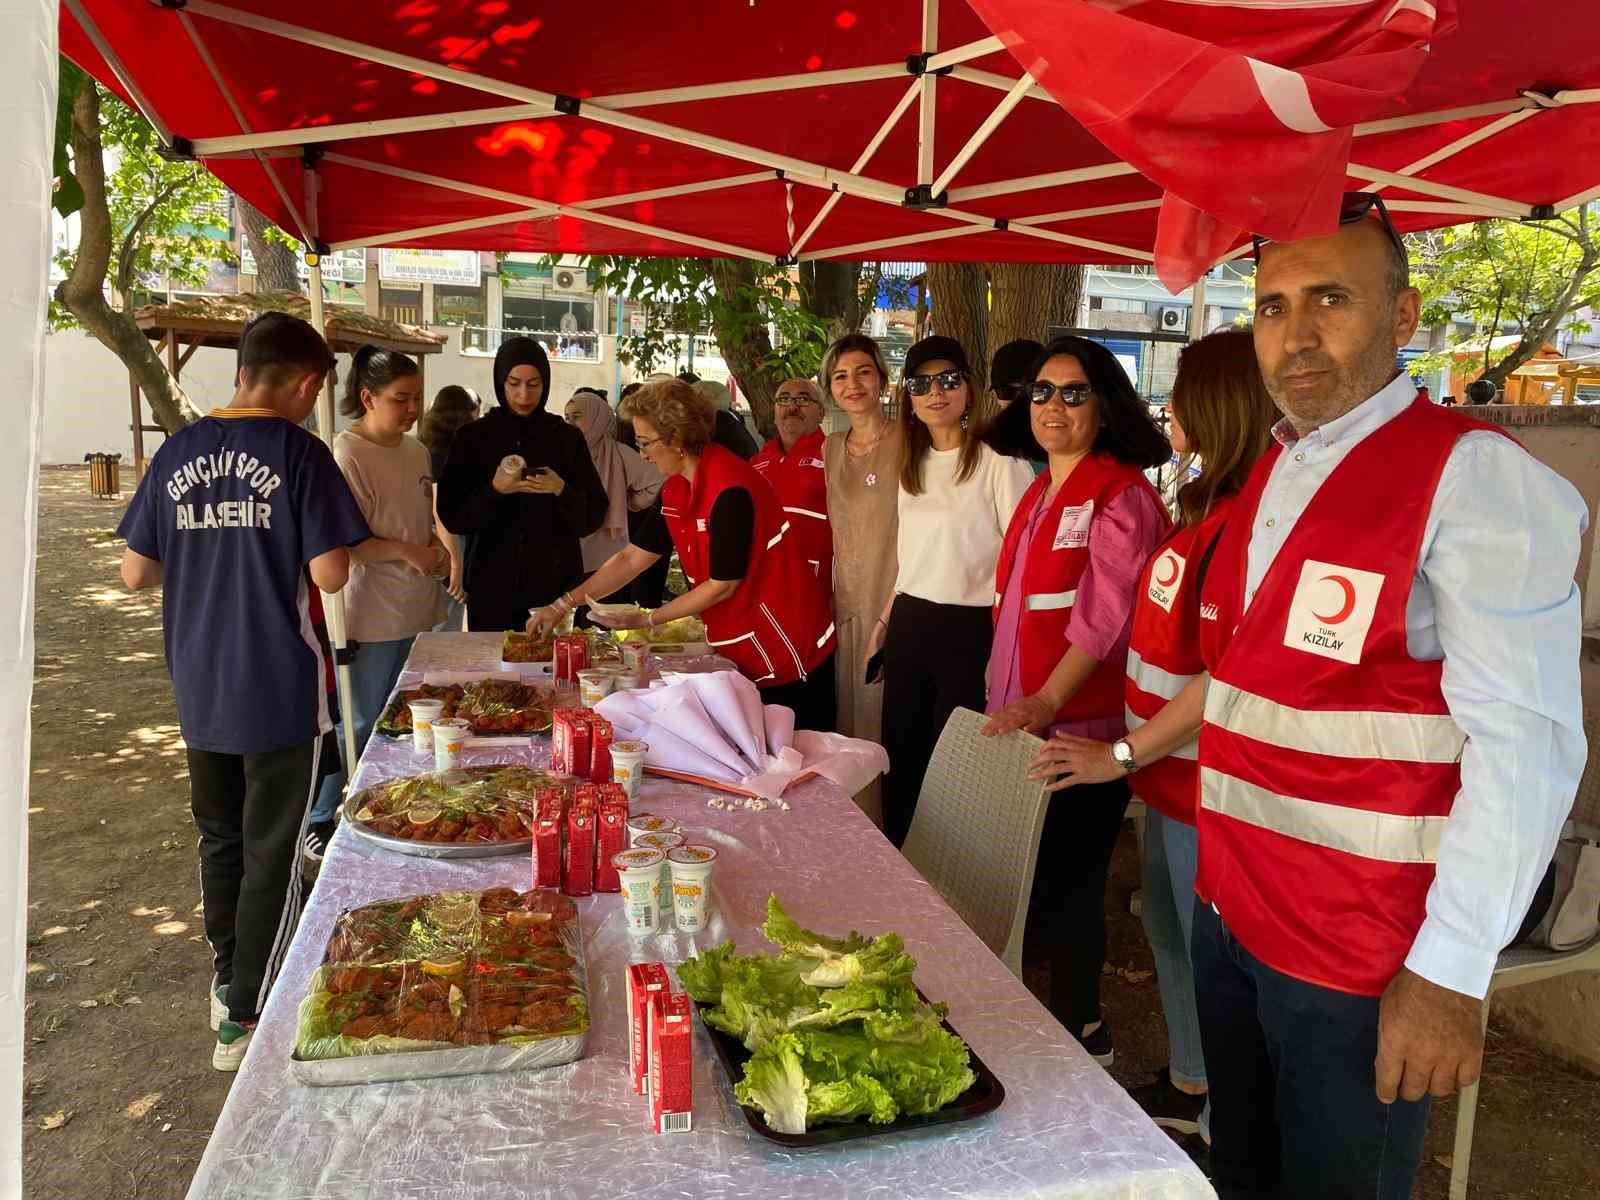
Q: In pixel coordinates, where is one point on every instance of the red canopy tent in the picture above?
(897, 128)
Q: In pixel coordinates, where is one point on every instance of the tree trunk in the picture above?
(959, 297)
(1549, 323)
(1028, 298)
(742, 336)
(832, 291)
(83, 291)
(276, 270)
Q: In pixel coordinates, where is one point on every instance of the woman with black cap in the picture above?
(521, 480)
(956, 499)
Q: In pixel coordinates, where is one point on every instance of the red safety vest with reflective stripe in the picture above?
(800, 479)
(777, 627)
(1164, 656)
(1328, 759)
(1051, 565)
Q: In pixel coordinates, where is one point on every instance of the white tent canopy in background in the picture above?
(27, 134)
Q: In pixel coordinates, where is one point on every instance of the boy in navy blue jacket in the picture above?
(238, 517)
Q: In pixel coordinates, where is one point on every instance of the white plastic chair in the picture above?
(975, 836)
(1526, 964)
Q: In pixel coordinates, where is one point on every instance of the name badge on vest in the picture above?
(1165, 579)
(813, 462)
(700, 524)
(1073, 532)
(1332, 610)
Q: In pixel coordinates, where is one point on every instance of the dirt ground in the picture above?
(120, 1094)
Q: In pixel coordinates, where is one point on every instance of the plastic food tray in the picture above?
(984, 1096)
(430, 849)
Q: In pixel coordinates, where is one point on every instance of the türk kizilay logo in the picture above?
(1332, 610)
(1165, 577)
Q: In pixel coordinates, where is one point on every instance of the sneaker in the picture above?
(233, 1039)
(1098, 1044)
(318, 836)
(1168, 1106)
(219, 1006)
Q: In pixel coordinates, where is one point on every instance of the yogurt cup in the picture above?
(594, 685)
(513, 465)
(627, 766)
(666, 843)
(690, 868)
(448, 738)
(639, 872)
(423, 714)
(634, 654)
(642, 823)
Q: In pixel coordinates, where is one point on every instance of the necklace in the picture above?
(870, 454)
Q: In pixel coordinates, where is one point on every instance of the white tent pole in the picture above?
(146, 109)
(1029, 183)
(961, 54)
(1507, 208)
(1577, 198)
(927, 111)
(319, 134)
(682, 189)
(1079, 214)
(889, 122)
(1050, 235)
(1000, 83)
(1197, 309)
(983, 133)
(396, 237)
(908, 239)
(754, 87)
(1482, 133)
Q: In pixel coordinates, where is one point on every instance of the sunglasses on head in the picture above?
(1073, 395)
(1353, 208)
(949, 381)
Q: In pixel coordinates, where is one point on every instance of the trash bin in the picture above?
(104, 480)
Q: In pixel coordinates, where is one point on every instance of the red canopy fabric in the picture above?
(798, 129)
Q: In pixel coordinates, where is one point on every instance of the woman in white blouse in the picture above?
(956, 499)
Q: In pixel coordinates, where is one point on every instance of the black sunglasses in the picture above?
(1354, 207)
(949, 381)
(1073, 395)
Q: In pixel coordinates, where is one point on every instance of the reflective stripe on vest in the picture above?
(1041, 601)
(1339, 733)
(778, 537)
(1189, 750)
(1153, 679)
(806, 512)
(826, 634)
(1384, 837)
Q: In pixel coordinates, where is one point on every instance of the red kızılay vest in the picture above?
(1051, 566)
(1329, 761)
(800, 480)
(1164, 656)
(777, 627)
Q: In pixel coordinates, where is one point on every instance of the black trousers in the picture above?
(251, 810)
(1067, 925)
(815, 703)
(934, 659)
(1290, 1066)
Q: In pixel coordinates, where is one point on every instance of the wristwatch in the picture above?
(1123, 753)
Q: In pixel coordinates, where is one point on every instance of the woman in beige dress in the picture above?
(863, 470)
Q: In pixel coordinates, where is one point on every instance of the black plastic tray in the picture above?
(984, 1096)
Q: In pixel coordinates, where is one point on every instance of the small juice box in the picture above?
(644, 980)
(671, 1082)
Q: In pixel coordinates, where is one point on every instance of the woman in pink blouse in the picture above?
(1064, 593)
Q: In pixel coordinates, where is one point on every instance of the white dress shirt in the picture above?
(1494, 598)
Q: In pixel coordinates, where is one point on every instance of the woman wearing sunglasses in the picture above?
(1065, 587)
(956, 496)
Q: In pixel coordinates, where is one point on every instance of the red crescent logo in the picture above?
(1171, 563)
(1349, 600)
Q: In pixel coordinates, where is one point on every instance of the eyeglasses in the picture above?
(1353, 208)
(1073, 395)
(799, 401)
(949, 381)
(645, 443)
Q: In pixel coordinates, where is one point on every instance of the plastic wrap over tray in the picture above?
(450, 983)
(470, 812)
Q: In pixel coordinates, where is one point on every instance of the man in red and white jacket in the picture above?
(1392, 735)
(792, 464)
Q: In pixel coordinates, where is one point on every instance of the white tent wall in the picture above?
(27, 131)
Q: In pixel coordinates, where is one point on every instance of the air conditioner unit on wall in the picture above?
(569, 279)
(1174, 319)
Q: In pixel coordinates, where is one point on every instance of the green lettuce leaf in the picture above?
(774, 1082)
(884, 960)
(702, 977)
(782, 930)
(846, 1099)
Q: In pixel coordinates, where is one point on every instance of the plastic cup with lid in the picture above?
(642, 823)
(666, 843)
(448, 738)
(423, 714)
(594, 685)
(627, 765)
(639, 872)
(690, 867)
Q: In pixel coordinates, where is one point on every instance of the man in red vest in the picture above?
(792, 464)
(1392, 735)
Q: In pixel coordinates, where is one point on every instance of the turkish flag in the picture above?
(1242, 111)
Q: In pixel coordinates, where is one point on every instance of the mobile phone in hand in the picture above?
(875, 667)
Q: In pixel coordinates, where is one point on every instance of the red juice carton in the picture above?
(612, 793)
(586, 795)
(600, 736)
(547, 829)
(571, 656)
(671, 1082)
(612, 838)
(644, 980)
(569, 743)
(577, 864)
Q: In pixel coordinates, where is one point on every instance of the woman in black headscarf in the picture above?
(527, 516)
